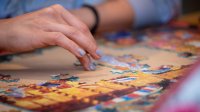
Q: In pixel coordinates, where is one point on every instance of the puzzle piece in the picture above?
(159, 70)
(185, 54)
(120, 102)
(115, 71)
(8, 78)
(135, 82)
(194, 43)
(121, 80)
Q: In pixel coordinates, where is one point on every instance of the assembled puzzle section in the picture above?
(136, 84)
(64, 95)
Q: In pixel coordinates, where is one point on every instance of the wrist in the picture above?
(85, 15)
(3, 35)
(96, 17)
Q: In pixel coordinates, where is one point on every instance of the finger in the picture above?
(76, 36)
(87, 63)
(72, 20)
(75, 22)
(59, 39)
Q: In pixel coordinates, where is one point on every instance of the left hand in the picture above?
(49, 26)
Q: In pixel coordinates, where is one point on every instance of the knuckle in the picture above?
(84, 28)
(57, 6)
(74, 32)
(50, 10)
(56, 37)
(54, 9)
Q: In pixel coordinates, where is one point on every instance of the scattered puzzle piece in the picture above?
(125, 92)
(8, 78)
(185, 54)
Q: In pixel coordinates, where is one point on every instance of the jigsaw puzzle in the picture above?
(135, 77)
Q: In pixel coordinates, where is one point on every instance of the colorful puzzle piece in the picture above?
(136, 87)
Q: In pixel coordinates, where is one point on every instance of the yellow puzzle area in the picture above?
(54, 81)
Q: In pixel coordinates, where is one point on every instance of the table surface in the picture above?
(58, 60)
(38, 67)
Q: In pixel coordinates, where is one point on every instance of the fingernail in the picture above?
(99, 52)
(92, 67)
(81, 52)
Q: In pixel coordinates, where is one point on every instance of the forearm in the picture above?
(114, 15)
(2, 34)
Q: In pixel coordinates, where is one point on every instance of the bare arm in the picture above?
(46, 27)
(121, 14)
(114, 15)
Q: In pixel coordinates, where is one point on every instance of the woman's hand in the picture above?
(48, 27)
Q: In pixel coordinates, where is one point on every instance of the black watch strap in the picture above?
(96, 15)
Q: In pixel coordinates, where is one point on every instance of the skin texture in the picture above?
(114, 15)
(56, 26)
(51, 26)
